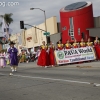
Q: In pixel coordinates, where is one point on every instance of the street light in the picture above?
(45, 21)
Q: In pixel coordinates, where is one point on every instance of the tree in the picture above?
(7, 18)
(0, 24)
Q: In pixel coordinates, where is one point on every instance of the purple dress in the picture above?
(13, 56)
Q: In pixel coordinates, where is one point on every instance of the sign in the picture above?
(29, 39)
(64, 28)
(46, 33)
(75, 55)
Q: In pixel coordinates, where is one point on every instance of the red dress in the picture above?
(97, 48)
(60, 46)
(43, 58)
(51, 56)
(82, 44)
(89, 43)
(68, 46)
(75, 45)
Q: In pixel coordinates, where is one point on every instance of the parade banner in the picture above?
(75, 55)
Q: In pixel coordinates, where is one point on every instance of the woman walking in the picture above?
(51, 55)
(13, 57)
(2, 59)
(43, 57)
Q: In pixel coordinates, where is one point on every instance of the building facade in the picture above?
(75, 19)
(93, 32)
(33, 37)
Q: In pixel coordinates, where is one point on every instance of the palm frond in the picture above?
(1, 16)
(0, 24)
(8, 18)
(10, 14)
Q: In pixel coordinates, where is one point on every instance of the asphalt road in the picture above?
(58, 83)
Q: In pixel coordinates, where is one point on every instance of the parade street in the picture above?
(68, 82)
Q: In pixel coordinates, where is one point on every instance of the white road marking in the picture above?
(96, 84)
(2, 74)
(53, 79)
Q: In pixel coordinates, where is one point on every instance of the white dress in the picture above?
(38, 53)
(2, 60)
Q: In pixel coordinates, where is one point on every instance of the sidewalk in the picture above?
(94, 64)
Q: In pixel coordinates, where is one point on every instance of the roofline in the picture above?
(92, 28)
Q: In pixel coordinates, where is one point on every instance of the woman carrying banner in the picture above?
(67, 45)
(89, 43)
(75, 44)
(60, 46)
(82, 43)
(51, 54)
(43, 60)
(97, 48)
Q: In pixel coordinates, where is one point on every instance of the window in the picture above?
(71, 34)
(71, 30)
(78, 31)
(71, 23)
(72, 37)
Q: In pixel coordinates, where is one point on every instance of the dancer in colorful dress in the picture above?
(96, 41)
(7, 58)
(51, 54)
(60, 46)
(67, 45)
(75, 44)
(13, 57)
(89, 43)
(2, 59)
(96, 46)
(43, 60)
(82, 43)
(23, 57)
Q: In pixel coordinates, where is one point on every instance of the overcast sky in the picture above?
(35, 17)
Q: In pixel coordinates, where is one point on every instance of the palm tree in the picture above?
(7, 18)
(0, 24)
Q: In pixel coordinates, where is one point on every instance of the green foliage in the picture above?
(7, 18)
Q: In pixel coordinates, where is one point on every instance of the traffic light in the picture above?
(48, 39)
(21, 24)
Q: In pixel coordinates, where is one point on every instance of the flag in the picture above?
(5, 29)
